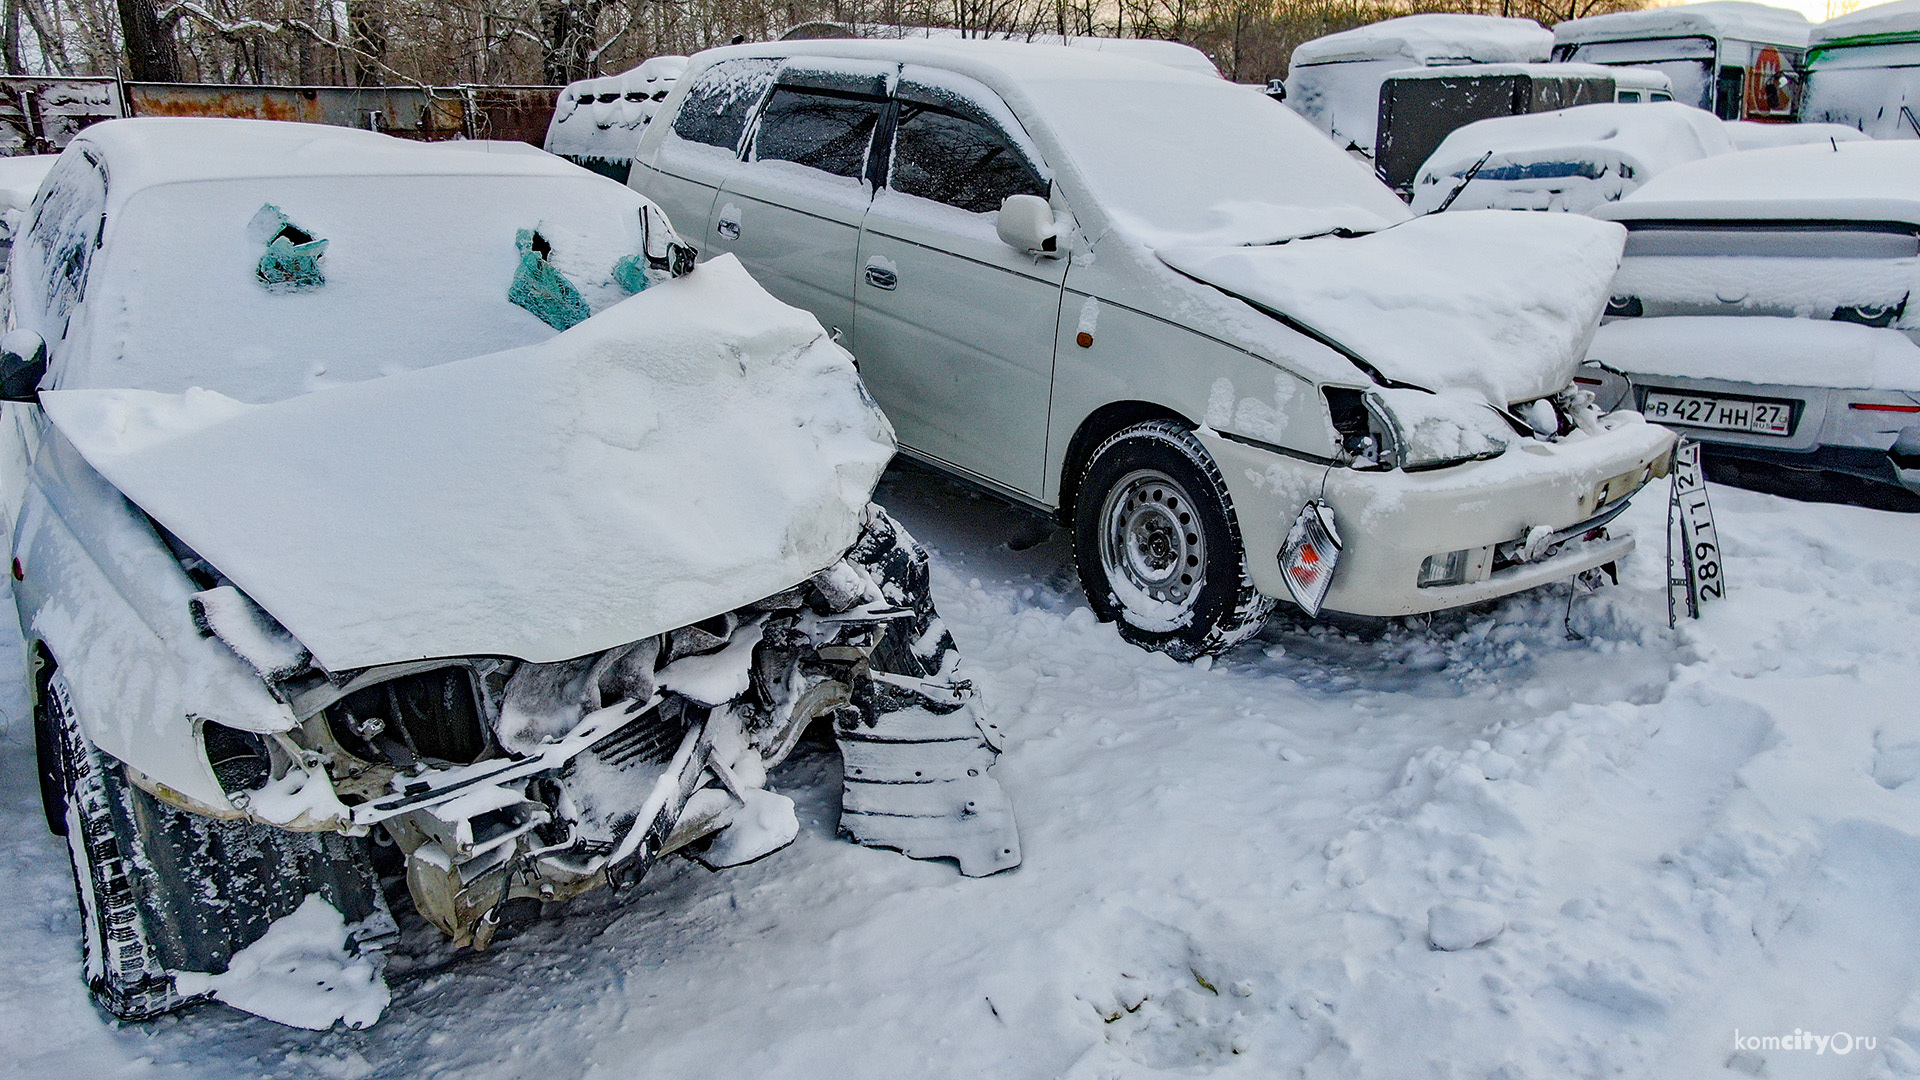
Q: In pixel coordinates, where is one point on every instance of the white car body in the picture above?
(1735, 59)
(1783, 275)
(1009, 366)
(368, 485)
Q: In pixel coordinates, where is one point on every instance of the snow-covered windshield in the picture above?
(399, 272)
(1165, 157)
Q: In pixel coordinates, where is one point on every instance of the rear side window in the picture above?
(67, 218)
(818, 129)
(720, 100)
(948, 158)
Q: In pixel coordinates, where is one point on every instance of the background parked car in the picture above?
(1041, 259)
(1765, 306)
(301, 555)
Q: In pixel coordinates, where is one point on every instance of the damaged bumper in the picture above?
(500, 779)
(1535, 514)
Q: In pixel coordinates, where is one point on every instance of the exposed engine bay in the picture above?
(500, 779)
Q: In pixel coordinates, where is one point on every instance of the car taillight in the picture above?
(1869, 406)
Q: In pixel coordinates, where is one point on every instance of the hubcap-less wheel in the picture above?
(1151, 538)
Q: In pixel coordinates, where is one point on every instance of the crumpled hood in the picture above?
(1495, 301)
(685, 452)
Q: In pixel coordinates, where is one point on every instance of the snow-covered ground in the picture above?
(1674, 837)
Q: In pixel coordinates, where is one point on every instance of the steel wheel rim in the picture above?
(1152, 539)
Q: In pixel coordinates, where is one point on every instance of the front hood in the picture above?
(685, 452)
(1493, 301)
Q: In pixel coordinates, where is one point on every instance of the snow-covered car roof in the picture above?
(1754, 135)
(147, 152)
(1430, 39)
(1902, 17)
(1604, 144)
(1843, 181)
(1173, 54)
(1715, 18)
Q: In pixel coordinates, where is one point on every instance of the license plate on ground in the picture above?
(1722, 413)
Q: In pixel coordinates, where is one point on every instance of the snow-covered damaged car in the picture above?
(1176, 315)
(1765, 306)
(424, 506)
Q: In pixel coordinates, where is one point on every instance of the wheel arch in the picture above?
(1094, 430)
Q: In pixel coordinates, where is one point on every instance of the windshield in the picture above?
(1192, 159)
(1687, 61)
(265, 289)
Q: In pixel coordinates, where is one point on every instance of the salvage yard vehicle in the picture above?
(1735, 59)
(1765, 307)
(597, 122)
(1863, 70)
(1335, 81)
(1420, 107)
(317, 579)
(1176, 316)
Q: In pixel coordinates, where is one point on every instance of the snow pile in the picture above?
(1334, 81)
(299, 973)
(1571, 159)
(683, 453)
(1856, 181)
(1759, 349)
(1761, 23)
(1498, 303)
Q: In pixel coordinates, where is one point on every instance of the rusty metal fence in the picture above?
(40, 115)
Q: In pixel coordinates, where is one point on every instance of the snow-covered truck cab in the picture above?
(305, 559)
(1174, 315)
(1863, 70)
(1335, 81)
(1737, 60)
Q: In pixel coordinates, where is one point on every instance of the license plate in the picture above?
(1721, 413)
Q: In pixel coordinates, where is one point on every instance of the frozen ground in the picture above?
(1232, 871)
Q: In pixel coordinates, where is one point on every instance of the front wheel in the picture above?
(1157, 545)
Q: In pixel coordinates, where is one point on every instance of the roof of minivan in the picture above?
(992, 62)
(146, 152)
(1839, 181)
(1423, 39)
(1715, 18)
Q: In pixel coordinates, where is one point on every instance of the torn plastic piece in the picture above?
(292, 260)
(541, 289)
(1310, 554)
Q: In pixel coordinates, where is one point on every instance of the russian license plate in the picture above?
(1722, 413)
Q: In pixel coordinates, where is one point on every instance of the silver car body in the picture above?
(1008, 367)
(1777, 276)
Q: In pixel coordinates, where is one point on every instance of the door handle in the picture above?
(882, 278)
(728, 228)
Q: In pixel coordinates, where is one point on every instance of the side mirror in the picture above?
(23, 363)
(1026, 224)
(1277, 89)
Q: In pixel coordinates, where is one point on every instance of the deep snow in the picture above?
(1232, 868)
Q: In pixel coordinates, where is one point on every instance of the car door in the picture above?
(792, 210)
(954, 329)
(693, 158)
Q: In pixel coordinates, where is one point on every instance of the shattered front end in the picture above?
(499, 779)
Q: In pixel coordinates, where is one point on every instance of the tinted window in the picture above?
(820, 130)
(938, 155)
(717, 104)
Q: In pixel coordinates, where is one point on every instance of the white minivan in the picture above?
(1168, 309)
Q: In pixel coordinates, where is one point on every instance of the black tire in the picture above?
(123, 970)
(47, 752)
(1158, 546)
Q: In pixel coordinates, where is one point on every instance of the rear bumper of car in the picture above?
(1559, 494)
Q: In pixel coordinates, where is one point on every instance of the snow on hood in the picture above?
(687, 451)
(1491, 301)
